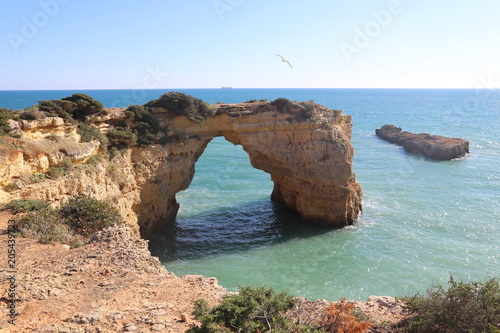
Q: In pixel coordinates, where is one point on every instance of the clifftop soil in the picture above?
(114, 284)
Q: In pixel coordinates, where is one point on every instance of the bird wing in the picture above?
(284, 60)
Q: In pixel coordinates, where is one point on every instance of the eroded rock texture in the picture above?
(433, 146)
(305, 148)
(309, 159)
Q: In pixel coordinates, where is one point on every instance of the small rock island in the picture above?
(433, 146)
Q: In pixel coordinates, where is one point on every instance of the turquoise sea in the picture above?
(422, 220)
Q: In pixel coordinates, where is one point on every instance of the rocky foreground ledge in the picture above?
(433, 146)
(114, 284)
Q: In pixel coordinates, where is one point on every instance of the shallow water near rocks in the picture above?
(422, 220)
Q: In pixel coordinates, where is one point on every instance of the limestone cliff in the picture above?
(305, 148)
(310, 160)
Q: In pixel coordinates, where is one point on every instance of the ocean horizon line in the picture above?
(241, 88)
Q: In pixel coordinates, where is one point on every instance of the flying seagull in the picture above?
(284, 60)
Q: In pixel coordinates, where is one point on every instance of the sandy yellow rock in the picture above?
(309, 160)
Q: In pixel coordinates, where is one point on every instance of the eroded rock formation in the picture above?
(433, 146)
(310, 160)
(306, 150)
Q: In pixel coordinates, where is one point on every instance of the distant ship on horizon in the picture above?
(227, 87)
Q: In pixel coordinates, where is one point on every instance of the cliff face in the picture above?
(309, 160)
(433, 146)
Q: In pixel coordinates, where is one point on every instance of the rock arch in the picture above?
(309, 160)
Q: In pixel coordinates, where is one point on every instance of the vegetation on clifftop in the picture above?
(263, 100)
(282, 104)
(253, 309)
(90, 132)
(5, 115)
(261, 309)
(472, 307)
(463, 307)
(139, 122)
(25, 206)
(72, 224)
(181, 104)
(73, 108)
(306, 111)
(138, 128)
(87, 215)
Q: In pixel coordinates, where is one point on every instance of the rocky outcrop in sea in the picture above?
(433, 146)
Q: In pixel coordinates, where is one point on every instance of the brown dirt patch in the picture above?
(110, 285)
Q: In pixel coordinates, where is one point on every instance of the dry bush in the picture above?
(338, 319)
(32, 113)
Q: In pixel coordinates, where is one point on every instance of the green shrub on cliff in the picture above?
(32, 113)
(45, 225)
(86, 105)
(253, 309)
(282, 104)
(89, 133)
(25, 205)
(463, 307)
(307, 110)
(181, 104)
(264, 100)
(140, 121)
(121, 138)
(87, 215)
(75, 107)
(5, 114)
(138, 127)
(56, 108)
(73, 223)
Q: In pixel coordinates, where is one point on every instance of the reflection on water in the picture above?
(230, 230)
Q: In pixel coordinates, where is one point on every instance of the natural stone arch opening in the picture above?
(223, 178)
(218, 217)
(309, 161)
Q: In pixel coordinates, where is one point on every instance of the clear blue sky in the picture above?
(111, 44)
